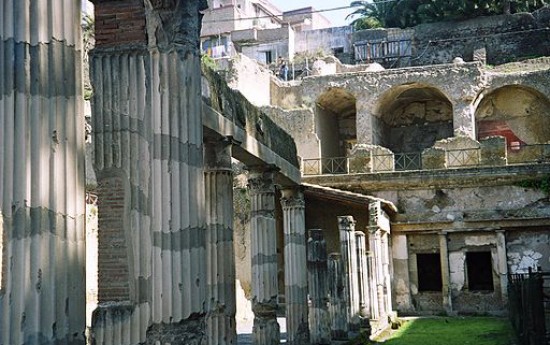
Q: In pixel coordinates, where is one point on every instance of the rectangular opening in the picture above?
(268, 57)
(480, 271)
(429, 272)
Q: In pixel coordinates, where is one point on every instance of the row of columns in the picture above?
(350, 288)
(221, 276)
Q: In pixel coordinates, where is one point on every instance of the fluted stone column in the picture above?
(42, 200)
(263, 240)
(319, 316)
(384, 241)
(348, 249)
(363, 272)
(337, 299)
(148, 143)
(295, 266)
(373, 262)
(445, 272)
(220, 255)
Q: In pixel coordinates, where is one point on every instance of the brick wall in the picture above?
(120, 22)
(113, 265)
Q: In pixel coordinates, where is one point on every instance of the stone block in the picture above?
(493, 151)
(460, 151)
(433, 158)
(382, 159)
(360, 159)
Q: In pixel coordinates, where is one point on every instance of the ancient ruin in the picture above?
(365, 191)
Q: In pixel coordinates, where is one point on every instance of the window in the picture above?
(338, 51)
(429, 272)
(480, 271)
(268, 57)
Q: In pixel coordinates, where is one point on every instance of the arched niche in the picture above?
(412, 117)
(520, 114)
(335, 122)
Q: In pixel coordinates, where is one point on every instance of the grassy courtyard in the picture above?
(452, 331)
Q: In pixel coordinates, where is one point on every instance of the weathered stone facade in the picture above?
(460, 149)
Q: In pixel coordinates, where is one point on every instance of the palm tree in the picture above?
(374, 14)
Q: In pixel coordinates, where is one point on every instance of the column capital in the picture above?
(315, 234)
(261, 179)
(218, 153)
(346, 223)
(292, 197)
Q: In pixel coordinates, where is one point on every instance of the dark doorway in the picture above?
(429, 272)
(480, 271)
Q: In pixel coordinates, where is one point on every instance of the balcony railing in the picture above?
(413, 161)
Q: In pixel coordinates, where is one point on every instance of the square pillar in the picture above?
(502, 265)
(445, 273)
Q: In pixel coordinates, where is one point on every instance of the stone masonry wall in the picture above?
(506, 38)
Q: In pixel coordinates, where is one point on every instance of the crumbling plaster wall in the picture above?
(528, 249)
(455, 207)
(250, 78)
(464, 299)
(300, 124)
(422, 301)
(463, 204)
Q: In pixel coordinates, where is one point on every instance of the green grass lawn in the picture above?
(453, 331)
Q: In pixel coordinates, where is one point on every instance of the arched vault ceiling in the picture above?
(392, 104)
(338, 101)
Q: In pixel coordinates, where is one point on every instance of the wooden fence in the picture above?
(529, 304)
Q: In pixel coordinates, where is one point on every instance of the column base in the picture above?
(266, 331)
(319, 320)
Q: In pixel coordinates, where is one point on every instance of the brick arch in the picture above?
(411, 117)
(519, 113)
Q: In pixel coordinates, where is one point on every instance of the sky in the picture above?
(336, 17)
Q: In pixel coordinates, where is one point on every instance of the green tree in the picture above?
(407, 13)
(377, 14)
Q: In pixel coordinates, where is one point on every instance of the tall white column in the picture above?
(42, 200)
(348, 250)
(295, 266)
(263, 240)
(220, 255)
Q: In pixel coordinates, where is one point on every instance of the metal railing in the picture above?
(408, 161)
(412, 161)
(463, 157)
